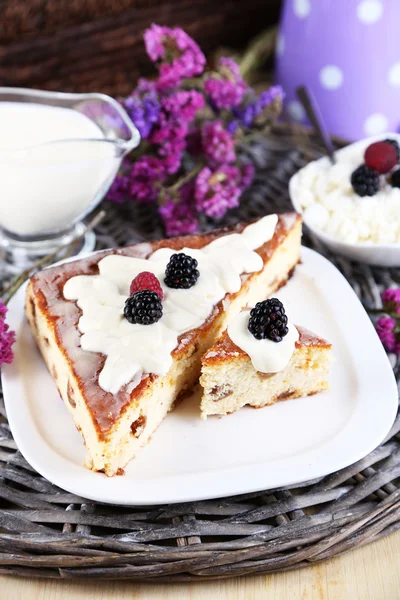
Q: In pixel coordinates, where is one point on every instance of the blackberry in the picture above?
(181, 271)
(143, 308)
(365, 181)
(268, 320)
(395, 179)
(395, 145)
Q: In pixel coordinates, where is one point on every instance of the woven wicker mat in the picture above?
(46, 532)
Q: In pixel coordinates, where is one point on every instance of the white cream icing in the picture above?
(266, 356)
(133, 349)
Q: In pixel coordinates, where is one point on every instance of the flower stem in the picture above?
(185, 179)
(382, 311)
(20, 279)
(258, 51)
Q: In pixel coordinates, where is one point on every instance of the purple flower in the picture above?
(391, 300)
(178, 54)
(170, 138)
(247, 175)
(172, 160)
(183, 105)
(7, 338)
(177, 112)
(232, 126)
(180, 217)
(275, 92)
(249, 112)
(145, 176)
(245, 114)
(217, 191)
(218, 144)
(144, 111)
(119, 190)
(144, 86)
(226, 87)
(385, 330)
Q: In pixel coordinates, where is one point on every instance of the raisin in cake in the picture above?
(120, 361)
(262, 368)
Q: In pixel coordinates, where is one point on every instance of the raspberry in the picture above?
(181, 271)
(268, 320)
(144, 308)
(146, 281)
(365, 181)
(381, 157)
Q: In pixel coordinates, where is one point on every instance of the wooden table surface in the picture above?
(368, 573)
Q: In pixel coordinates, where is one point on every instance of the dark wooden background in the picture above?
(96, 45)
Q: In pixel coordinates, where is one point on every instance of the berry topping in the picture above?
(268, 320)
(144, 308)
(395, 146)
(181, 271)
(381, 157)
(365, 181)
(146, 281)
(395, 179)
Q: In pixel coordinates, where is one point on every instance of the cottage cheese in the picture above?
(329, 203)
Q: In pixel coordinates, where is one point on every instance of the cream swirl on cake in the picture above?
(133, 349)
(267, 356)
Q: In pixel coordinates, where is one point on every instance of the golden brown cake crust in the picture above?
(224, 349)
(62, 315)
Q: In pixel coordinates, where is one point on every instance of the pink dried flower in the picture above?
(177, 112)
(226, 87)
(146, 175)
(169, 115)
(218, 144)
(168, 129)
(180, 217)
(385, 327)
(7, 338)
(391, 300)
(178, 54)
(171, 142)
(217, 191)
(172, 160)
(183, 104)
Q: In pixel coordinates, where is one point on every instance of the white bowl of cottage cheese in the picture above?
(366, 229)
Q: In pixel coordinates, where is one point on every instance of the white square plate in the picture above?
(190, 459)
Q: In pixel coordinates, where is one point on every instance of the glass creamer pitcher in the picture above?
(59, 154)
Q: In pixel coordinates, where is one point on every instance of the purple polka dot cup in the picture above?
(348, 53)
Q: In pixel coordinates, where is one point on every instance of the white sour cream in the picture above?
(266, 356)
(133, 349)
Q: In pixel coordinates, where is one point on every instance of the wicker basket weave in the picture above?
(46, 532)
(97, 45)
